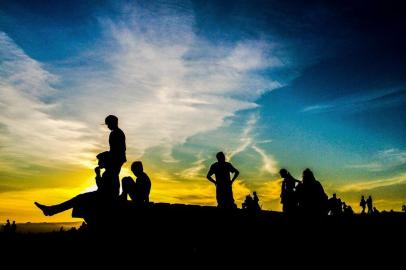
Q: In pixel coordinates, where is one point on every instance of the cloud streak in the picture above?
(269, 164)
(30, 133)
(368, 185)
(164, 82)
(167, 84)
(383, 160)
(361, 102)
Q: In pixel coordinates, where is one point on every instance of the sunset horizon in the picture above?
(271, 84)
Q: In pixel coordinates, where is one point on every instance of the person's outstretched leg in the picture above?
(55, 209)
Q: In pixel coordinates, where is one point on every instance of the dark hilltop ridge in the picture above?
(163, 228)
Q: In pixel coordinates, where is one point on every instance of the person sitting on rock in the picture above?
(138, 190)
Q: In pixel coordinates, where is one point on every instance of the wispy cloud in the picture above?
(163, 81)
(383, 160)
(246, 138)
(269, 164)
(368, 185)
(360, 102)
(194, 171)
(166, 84)
(30, 133)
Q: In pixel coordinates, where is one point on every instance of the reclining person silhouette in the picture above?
(224, 192)
(108, 186)
(139, 190)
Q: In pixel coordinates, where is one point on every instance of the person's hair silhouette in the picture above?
(222, 169)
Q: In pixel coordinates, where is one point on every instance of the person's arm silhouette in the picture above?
(209, 175)
(235, 171)
(98, 176)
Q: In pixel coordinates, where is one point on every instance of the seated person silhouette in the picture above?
(108, 187)
(138, 190)
(224, 192)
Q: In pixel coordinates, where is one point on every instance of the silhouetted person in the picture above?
(256, 205)
(288, 192)
(116, 142)
(370, 205)
(108, 186)
(363, 204)
(138, 190)
(13, 227)
(312, 198)
(222, 170)
(7, 227)
(404, 208)
(248, 202)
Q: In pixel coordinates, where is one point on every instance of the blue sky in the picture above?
(272, 83)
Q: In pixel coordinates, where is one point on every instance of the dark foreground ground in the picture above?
(186, 231)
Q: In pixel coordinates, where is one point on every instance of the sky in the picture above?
(273, 84)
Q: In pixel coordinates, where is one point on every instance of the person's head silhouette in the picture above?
(137, 168)
(308, 176)
(111, 122)
(283, 173)
(334, 196)
(127, 182)
(221, 158)
(104, 159)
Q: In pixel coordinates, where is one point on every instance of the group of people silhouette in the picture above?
(108, 183)
(304, 197)
(337, 207)
(10, 228)
(297, 197)
(251, 203)
(367, 204)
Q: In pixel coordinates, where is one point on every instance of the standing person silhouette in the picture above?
(7, 227)
(222, 170)
(363, 204)
(256, 201)
(13, 227)
(370, 205)
(312, 199)
(288, 192)
(116, 142)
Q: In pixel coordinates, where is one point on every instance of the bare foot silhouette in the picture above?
(45, 209)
